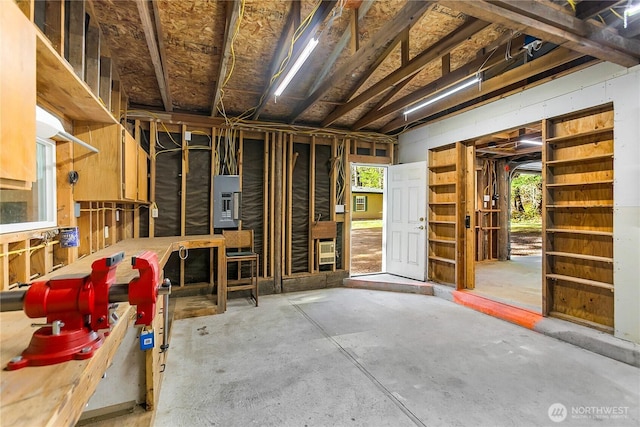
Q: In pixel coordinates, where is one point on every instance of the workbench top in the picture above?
(56, 395)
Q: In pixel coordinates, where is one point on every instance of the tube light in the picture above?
(444, 95)
(296, 66)
(630, 11)
(530, 141)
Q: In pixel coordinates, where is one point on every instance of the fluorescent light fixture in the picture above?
(530, 141)
(630, 11)
(296, 66)
(443, 95)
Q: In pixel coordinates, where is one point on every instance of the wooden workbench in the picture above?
(56, 395)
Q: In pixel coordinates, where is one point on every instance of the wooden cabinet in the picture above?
(113, 173)
(18, 99)
(578, 218)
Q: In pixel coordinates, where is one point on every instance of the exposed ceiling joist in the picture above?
(481, 63)
(556, 27)
(323, 11)
(411, 12)
(342, 44)
(553, 59)
(442, 47)
(158, 65)
(232, 13)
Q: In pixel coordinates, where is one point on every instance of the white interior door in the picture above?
(406, 209)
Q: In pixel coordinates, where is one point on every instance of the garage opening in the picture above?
(508, 222)
(367, 224)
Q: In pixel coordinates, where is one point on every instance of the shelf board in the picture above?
(579, 160)
(579, 184)
(581, 281)
(441, 259)
(442, 166)
(489, 210)
(591, 135)
(580, 206)
(57, 84)
(580, 256)
(442, 222)
(443, 203)
(449, 242)
(586, 232)
(489, 228)
(442, 184)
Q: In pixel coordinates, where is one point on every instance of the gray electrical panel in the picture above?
(226, 201)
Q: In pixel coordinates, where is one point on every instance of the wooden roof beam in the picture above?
(323, 11)
(413, 67)
(233, 14)
(158, 63)
(555, 58)
(551, 25)
(342, 44)
(411, 12)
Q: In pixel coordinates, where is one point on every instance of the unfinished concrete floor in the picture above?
(516, 282)
(353, 357)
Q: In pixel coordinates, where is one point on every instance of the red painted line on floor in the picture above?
(516, 315)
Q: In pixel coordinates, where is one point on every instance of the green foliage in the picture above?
(526, 198)
(369, 177)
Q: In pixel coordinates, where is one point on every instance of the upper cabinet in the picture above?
(17, 98)
(114, 172)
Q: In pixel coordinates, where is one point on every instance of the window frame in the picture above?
(49, 193)
(363, 203)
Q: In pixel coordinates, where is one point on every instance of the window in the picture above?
(22, 210)
(361, 203)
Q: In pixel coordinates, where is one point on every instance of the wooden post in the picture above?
(277, 215)
(152, 180)
(312, 204)
(64, 197)
(346, 230)
(212, 258)
(4, 267)
(265, 203)
(503, 215)
(183, 194)
(460, 266)
(469, 208)
(289, 220)
(272, 204)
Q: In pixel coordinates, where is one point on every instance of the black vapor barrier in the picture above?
(253, 191)
(300, 210)
(168, 200)
(197, 215)
(168, 184)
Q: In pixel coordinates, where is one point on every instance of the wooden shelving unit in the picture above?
(578, 218)
(444, 213)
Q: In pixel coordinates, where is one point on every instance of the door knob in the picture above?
(421, 227)
(421, 219)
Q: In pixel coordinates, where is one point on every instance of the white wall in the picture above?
(599, 84)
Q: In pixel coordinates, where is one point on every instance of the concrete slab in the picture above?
(361, 358)
(388, 282)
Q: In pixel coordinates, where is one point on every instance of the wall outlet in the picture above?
(154, 213)
(106, 231)
(339, 208)
(187, 135)
(117, 215)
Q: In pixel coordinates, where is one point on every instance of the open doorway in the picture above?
(508, 226)
(367, 219)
